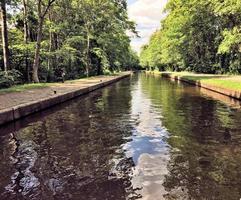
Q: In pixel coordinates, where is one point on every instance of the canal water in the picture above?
(144, 137)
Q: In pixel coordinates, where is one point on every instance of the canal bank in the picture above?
(16, 105)
(222, 84)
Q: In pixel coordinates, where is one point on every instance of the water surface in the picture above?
(144, 137)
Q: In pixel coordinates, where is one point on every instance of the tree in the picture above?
(90, 40)
(229, 49)
(197, 35)
(104, 27)
(5, 36)
(42, 11)
(26, 34)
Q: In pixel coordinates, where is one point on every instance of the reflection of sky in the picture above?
(148, 134)
(148, 147)
(147, 14)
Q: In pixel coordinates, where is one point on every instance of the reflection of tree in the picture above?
(7, 149)
(22, 156)
(78, 149)
(204, 139)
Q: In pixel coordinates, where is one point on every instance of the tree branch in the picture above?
(50, 2)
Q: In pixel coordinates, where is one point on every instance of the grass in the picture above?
(229, 84)
(232, 82)
(20, 88)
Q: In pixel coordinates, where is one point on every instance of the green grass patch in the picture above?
(20, 88)
(229, 84)
(232, 82)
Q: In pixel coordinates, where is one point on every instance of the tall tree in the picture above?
(42, 10)
(198, 35)
(5, 35)
(26, 35)
(90, 40)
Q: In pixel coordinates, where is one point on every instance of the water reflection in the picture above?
(71, 153)
(205, 142)
(142, 138)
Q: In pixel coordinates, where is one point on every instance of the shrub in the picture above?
(10, 78)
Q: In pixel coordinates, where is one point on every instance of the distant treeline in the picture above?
(197, 35)
(43, 39)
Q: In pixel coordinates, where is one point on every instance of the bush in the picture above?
(10, 78)
(235, 67)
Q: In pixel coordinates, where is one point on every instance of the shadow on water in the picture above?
(141, 138)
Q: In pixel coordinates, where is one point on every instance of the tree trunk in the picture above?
(25, 21)
(42, 11)
(87, 55)
(37, 51)
(26, 36)
(99, 69)
(50, 49)
(5, 36)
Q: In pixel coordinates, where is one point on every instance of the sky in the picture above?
(147, 14)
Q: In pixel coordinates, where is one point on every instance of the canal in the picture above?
(144, 137)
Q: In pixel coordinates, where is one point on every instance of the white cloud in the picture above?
(147, 14)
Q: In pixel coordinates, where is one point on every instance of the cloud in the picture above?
(147, 14)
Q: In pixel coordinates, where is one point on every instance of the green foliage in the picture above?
(200, 35)
(9, 78)
(231, 40)
(152, 59)
(92, 34)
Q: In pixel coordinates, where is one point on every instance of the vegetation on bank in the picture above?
(231, 82)
(43, 40)
(24, 87)
(197, 35)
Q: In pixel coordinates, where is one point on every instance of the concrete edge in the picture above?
(23, 110)
(227, 92)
